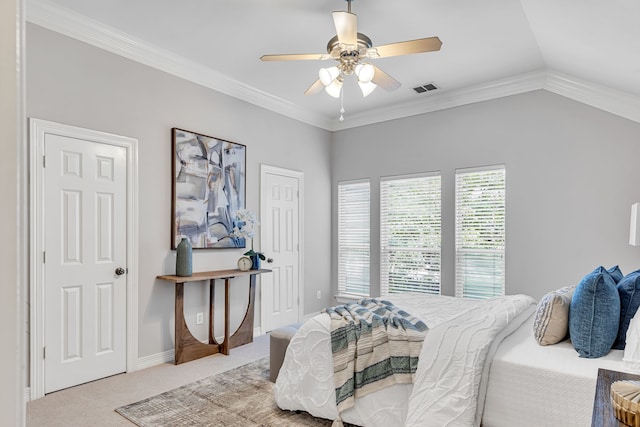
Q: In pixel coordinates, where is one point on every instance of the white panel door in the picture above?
(280, 223)
(85, 186)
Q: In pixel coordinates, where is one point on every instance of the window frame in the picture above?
(487, 255)
(432, 254)
(344, 266)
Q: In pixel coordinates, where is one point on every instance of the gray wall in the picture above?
(572, 175)
(73, 83)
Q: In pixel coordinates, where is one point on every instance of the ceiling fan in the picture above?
(352, 50)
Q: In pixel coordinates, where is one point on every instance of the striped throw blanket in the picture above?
(374, 345)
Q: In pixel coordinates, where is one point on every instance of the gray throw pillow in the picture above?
(551, 322)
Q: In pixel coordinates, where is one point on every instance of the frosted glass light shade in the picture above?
(328, 75)
(367, 88)
(365, 72)
(334, 88)
(634, 228)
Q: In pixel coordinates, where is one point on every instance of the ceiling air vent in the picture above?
(425, 88)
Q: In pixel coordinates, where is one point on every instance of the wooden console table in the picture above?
(187, 347)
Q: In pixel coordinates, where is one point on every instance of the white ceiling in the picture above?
(483, 42)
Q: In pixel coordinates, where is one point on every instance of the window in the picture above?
(480, 232)
(410, 234)
(353, 238)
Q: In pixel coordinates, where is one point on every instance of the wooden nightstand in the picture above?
(603, 415)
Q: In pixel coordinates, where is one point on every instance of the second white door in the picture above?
(280, 290)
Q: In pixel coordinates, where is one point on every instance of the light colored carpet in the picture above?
(242, 397)
(93, 404)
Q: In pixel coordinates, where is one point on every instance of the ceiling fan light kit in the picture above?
(332, 79)
(335, 87)
(328, 75)
(367, 88)
(365, 72)
(351, 49)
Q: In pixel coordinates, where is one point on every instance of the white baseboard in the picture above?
(168, 356)
(155, 359)
(150, 361)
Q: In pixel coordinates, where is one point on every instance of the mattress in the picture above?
(542, 386)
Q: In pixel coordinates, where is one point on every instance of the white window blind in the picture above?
(480, 232)
(353, 238)
(410, 216)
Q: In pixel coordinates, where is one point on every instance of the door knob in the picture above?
(119, 271)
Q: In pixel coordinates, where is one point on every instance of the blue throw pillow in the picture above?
(594, 315)
(616, 273)
(629, 291)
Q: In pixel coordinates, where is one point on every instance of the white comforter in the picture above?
(457, 365)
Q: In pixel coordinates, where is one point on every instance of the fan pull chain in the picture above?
(342, 106)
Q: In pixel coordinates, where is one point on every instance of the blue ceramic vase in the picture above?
(183, 258)
(255, 262)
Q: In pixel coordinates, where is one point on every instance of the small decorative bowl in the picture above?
(625, 399)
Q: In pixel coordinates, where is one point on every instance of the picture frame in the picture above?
(208, 187)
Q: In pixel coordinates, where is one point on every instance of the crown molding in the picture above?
(496, 89)
(604, 98)
(56, 18)
(72, 24)
(616, 102)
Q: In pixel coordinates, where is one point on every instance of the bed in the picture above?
(505, 379)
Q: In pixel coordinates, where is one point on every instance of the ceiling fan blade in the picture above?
(296, 57)
(384, 80)
(429, 44)
(316, 87)
(346, 28)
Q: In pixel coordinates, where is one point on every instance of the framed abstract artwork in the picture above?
(208, 189)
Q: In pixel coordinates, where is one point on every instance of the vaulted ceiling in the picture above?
(490, 48)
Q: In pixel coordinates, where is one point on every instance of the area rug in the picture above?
(239, 397)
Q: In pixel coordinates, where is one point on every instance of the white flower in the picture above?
(246, 224)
